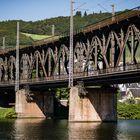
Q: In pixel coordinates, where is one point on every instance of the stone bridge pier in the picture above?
(85, 104)
(94, 104)
(34, 104)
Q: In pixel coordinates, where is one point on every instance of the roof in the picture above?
(132, 85)
(135, 92)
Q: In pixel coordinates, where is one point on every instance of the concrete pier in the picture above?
(34, 104)
(99, 104)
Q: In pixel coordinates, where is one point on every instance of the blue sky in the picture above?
(42, 9)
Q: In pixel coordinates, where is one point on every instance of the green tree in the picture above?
(85, 14)
(62, 93)
(78, 13)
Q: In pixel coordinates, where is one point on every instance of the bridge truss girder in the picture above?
(106, 51)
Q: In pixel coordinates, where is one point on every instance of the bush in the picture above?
(8, 113)
(62, 93)
(128, 111)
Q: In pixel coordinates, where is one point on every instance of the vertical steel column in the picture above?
(49, 64)
(17, 60)
(112, 50)
(6, 69)
(37, 65)
(96, 55)
(132, 46)
(71, 46)
(124, 52)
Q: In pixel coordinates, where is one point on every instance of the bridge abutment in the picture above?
(99, 104)
(31, 104)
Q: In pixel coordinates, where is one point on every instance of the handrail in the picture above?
(91, 73)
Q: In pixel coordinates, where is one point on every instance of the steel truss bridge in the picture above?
(107, 52)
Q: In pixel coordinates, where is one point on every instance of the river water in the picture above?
(37, 129)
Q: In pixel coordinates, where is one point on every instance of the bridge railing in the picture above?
(90, 73)
(120, 69)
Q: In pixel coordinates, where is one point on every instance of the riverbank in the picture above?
(124, 111)
(7, 113)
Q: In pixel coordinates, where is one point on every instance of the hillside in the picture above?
(43, 27)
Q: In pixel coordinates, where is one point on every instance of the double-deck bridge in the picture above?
(107, 52)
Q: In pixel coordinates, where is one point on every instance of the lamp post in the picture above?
(71, 46)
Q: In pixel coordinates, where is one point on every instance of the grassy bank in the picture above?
(36, 37)
(7, 113)
(125, 111)
(128, 111)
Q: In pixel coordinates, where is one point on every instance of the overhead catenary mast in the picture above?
(53, 30)
(17, 60)
(3, 46)
(113, 12)
(71, 46)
